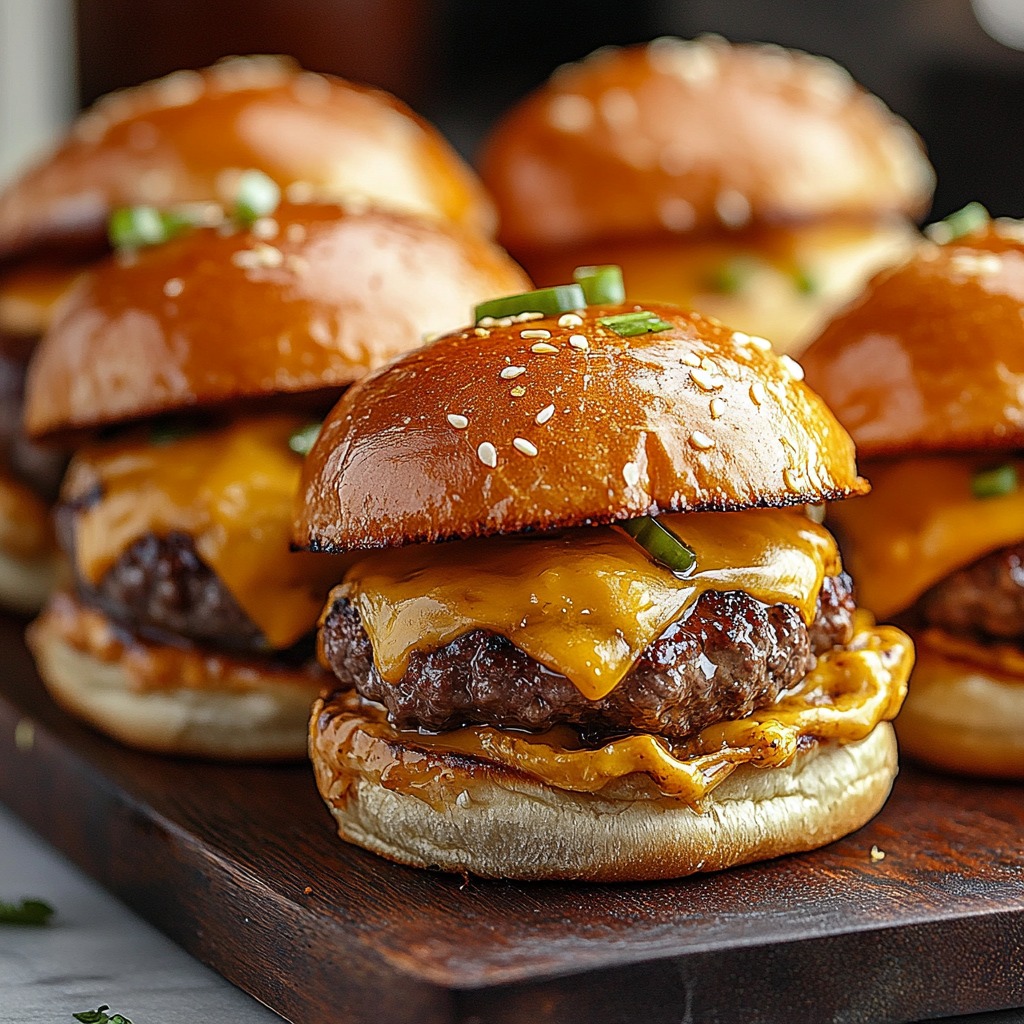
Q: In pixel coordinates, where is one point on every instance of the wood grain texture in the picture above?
(219, 857)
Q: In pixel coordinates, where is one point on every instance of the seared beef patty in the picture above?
(729, 656)
(159, 587)
(38, 467)
(986, 598)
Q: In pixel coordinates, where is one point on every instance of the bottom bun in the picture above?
(499, 823)
(962, 717)
(167, 699)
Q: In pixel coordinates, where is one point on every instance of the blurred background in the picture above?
(953, 68)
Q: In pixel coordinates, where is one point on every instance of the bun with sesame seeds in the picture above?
(758, 184)
(559, 421)
(190, 376)
(598, 642)
(306, 301)
(926, 370)
(183, 138)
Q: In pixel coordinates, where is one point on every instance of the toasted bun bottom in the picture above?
(783, 286)
(963, 718)
(240, 710)
(29, 561)
(503, 824)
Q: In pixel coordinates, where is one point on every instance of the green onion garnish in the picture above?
(627, 325)
(258, 196)
(733, 275)
(135, 227)
(560, 299)
(34, 912)
(661, 544)
(994, 483)
(806, 282)
(962, 222)
(304, 438)
(100, 1016)
(602, 286)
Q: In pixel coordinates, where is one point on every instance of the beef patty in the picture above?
(729, 656)
(985, 598)
(160, 588)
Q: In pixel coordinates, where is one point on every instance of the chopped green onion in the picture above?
(806, 282)
(258, 196)
(661, 544)
(34, 912)
(994, 483)
(560, 299)
(627, 325)
(135, 227)
(304, 438)
(100, 1016)
(602, 286)
(958, 224)
(733, 275)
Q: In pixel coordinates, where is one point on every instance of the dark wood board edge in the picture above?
(157, 870)
(762, 985)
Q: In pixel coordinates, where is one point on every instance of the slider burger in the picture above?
(193, 375)
(926, 371)
(757, 184)
(589, 631)
(182, 143)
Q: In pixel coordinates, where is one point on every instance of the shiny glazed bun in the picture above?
(695, 137)
(183, 138)
(310, 298)
(559, 421)
(828, 791)
(929, 359)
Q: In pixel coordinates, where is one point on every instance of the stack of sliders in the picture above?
(180, 144)
(589, 630)
(757, 184)
(926, 371)
(191, 375)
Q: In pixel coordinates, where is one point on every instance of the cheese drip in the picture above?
(583, 602)
(842, 699)
(29, 296)
(231, 489)
(920, 523)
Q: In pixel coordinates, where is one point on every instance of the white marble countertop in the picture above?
(96, 951)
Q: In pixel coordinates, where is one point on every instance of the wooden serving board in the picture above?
(241, 867)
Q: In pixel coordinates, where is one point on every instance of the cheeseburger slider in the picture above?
(182, 143)
(589, 631)
(926, 371)
(757, 184)
(193, 374)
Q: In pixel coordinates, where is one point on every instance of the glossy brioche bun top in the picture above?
(697, 136)
(488, 431)
(930, 358)
(212, 317)
(183, 138)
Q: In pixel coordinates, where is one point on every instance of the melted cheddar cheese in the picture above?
(29, 296)
(583, 602)
(842, 699)
(231, 489)
(920, 523)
